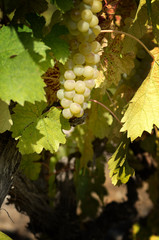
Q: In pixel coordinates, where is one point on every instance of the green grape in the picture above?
(88, 1)
(69, 94)
(67, 113)
(69, 85)
(87, 93)
(78, 59)
(83, 26)
(78, 98)
(72, 25)
(85, 105)
(96, 30)
(86, 15)
(90, 83)
(80, 86)
(69, 64)
(75, 108)
(96, 6)
(60, 94)
(95, 46)
(69, 74)
(85, 48)
(75, 15)
(80, 114)
(78, 70)
(89, 58)
(65, 103)
(94, 22)
(88, 72)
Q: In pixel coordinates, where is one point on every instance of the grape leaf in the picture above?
(36, 130)
(20, 74)
(59, 46)
(30, 165)
(143, 110)
(155, 19)
(120, 171)
(99, 119)
(37, 23)
(64, 5)
(138, 28)
(5, 118)
(4, 236)
(84, 137)
(113, 63)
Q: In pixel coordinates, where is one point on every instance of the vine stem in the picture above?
(131, 36)
(110, 111)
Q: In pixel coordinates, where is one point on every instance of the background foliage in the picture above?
(33, 41)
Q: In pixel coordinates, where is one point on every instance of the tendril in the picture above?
(110, 111)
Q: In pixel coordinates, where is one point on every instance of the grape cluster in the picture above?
(80, 71)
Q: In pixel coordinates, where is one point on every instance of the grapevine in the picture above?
(80, 71)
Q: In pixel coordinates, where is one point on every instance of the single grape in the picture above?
(88, 72)
(88, 1)
(95, 46)
(80, 114)
(94, 21)
(69, 94)
(78, 70)
(96, 30)
(85, 105)
(83, 26)
(90, 83)
(69, 74)
(96, 58)
(69, 64)
(74, 44)
(89, 58)
(86, 15)
(96, 6)
(60, 94)
(75, 15)
(69, 85)
(80, 86)
(65, 103)
(78, 58)
(67, 113)
(87, 92)
(83, 6)
(71, 25)
(85, 48)
(96, 73)
(78, 98)
(75, 108)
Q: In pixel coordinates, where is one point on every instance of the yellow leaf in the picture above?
(143, 110)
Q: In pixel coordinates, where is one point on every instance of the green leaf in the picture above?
(5, 118)
(30, 165)
(155, 19)
(99, 120)
(143, 110)
(59, 47)
(20, 68)
(4, 236)
(84, 137)
(37, 23)
(64, 5)
(120, 171)
(138, 28)
(36, 130)
(114, 64)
